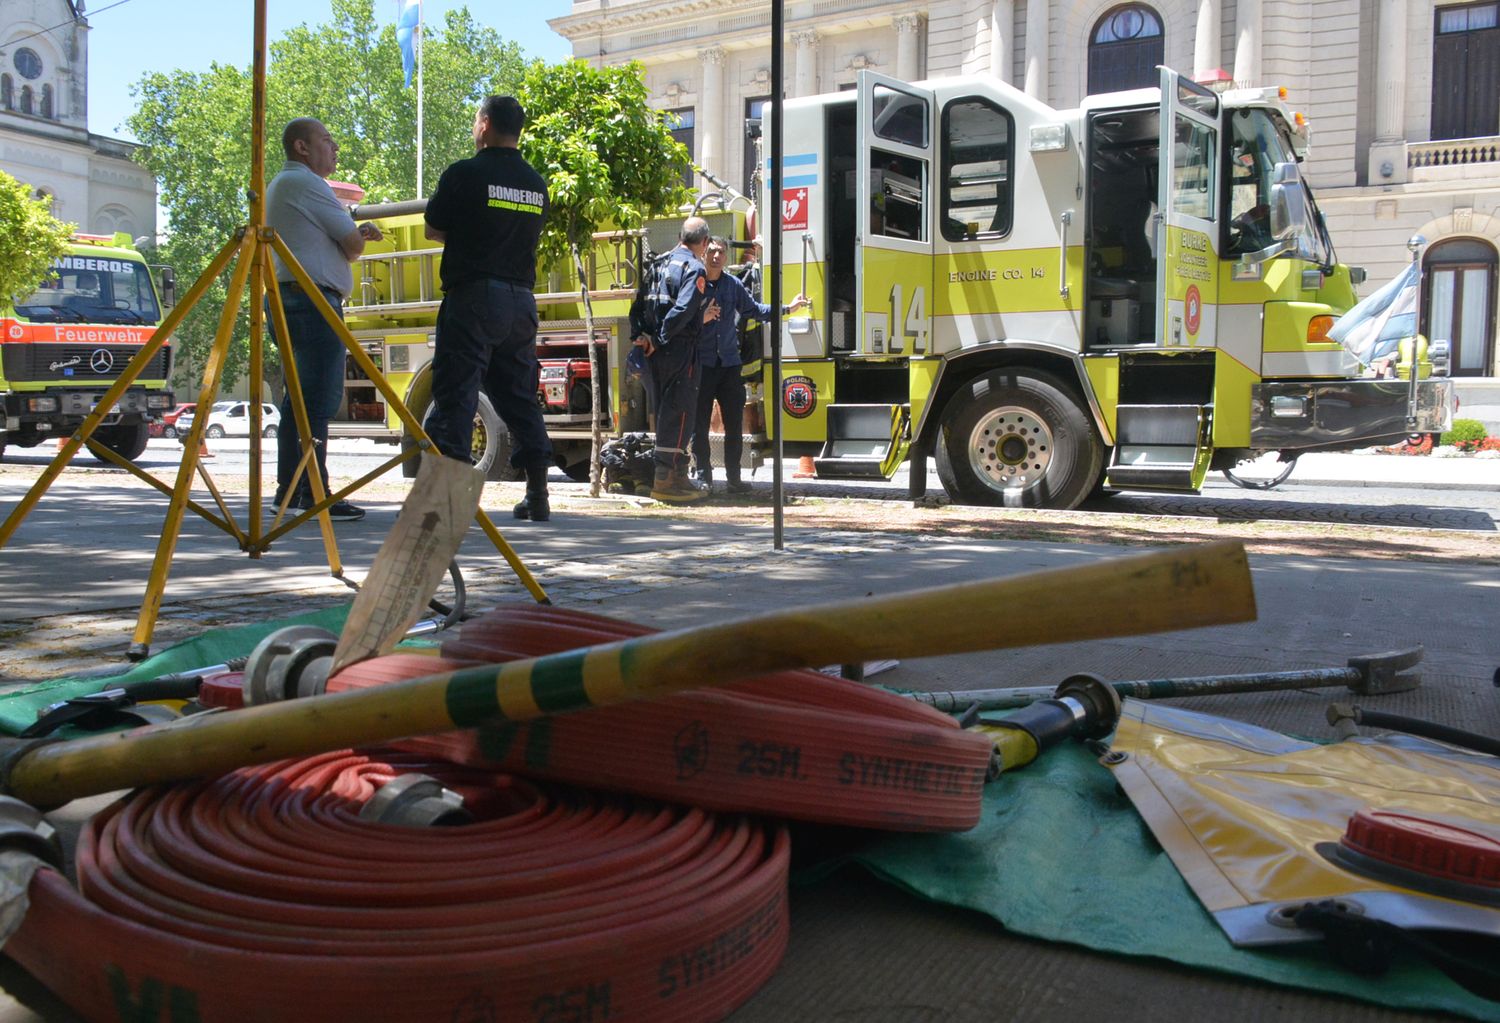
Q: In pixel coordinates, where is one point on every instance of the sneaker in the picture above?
(339, 511)
(343, 511)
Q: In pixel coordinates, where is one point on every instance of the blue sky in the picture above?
(128, 39)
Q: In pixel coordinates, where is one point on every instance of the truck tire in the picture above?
(491, 446)
(1018, 438)
(578, 472)
(128, 442)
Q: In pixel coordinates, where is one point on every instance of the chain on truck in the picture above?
(63, 346)
(1049, 304)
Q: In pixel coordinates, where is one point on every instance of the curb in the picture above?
(1388, 484)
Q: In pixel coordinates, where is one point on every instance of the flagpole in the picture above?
(421, 192)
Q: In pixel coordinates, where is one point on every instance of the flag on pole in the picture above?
(1375, 326)
(408, 24)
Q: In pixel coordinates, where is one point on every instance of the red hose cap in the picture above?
(225, 689)
(1436, 848)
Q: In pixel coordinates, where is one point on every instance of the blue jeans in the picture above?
(486, 337)
(320, 358)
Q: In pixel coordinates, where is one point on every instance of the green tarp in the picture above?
(18, 707)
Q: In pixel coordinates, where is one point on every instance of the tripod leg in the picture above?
(128, 376)
(257, 391)
(299, 411)
(156, 586)
(357, 353)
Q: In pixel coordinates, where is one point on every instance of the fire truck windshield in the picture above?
(93, 289)
(1257, 145)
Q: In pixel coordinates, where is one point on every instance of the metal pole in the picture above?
(1414, 245)
(773, 228)
(420, 33)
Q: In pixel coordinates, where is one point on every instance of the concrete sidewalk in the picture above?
(1417, 472)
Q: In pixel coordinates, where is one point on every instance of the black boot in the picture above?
(534, 505)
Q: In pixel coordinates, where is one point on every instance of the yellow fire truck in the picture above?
(1050, 303)
(1125, 295)
(62, 346)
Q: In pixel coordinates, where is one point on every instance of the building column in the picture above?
(805, 79)
(1388, 151)
(1002, 43)
(908, 34)
(710, 124)
(1247, 44)
(1038, 20)
(1206, 44)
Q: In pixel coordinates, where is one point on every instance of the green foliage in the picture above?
(1465, 433)
(30, 239)
(348, 74)
(608, 157)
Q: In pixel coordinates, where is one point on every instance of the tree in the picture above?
(30, 239)
(347, 73)
(609, 160)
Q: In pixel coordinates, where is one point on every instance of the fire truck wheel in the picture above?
(125, 441)
(1018, 438)
(492, 445)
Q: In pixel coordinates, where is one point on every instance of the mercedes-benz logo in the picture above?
(101, 361)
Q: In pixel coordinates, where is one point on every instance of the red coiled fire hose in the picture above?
(262, 896)
(795, 744)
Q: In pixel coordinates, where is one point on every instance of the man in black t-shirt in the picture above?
(488, 212)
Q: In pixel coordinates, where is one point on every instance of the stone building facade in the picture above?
(44, 136)
(1401, 96)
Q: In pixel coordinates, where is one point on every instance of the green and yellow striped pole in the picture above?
(1179, 588)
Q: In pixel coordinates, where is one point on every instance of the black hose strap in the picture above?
(1368, 946)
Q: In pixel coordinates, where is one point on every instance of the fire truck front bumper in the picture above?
(1338, 415)
(56, 405)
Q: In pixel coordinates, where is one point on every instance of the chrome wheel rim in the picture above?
(1010, 448)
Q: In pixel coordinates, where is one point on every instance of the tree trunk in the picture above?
(596, 376)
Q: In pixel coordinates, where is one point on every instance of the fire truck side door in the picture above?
(1192, 130)
(894, 218)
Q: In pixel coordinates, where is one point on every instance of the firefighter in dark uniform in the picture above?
(488, 212)
(681, 310)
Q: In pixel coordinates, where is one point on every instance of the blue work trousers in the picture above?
(486, 337)
(319, 355)
(724, 385)
(674, 375)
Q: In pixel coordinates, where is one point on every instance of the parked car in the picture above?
(232, 419)
(166, 426)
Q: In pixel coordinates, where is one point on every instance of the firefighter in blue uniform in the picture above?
(681, 310)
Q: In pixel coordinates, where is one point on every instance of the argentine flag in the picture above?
(408, 23)
(1374, 327)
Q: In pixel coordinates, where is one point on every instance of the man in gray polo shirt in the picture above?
(324, 238)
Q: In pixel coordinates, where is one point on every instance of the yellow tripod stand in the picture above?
(250, 251)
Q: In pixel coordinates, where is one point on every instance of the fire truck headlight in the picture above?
(41, 404)
(1049, 138)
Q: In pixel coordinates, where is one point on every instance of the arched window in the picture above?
(46, 101)
(1459, 306)
(1125, 49)
(26, 104)
(7, 93)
